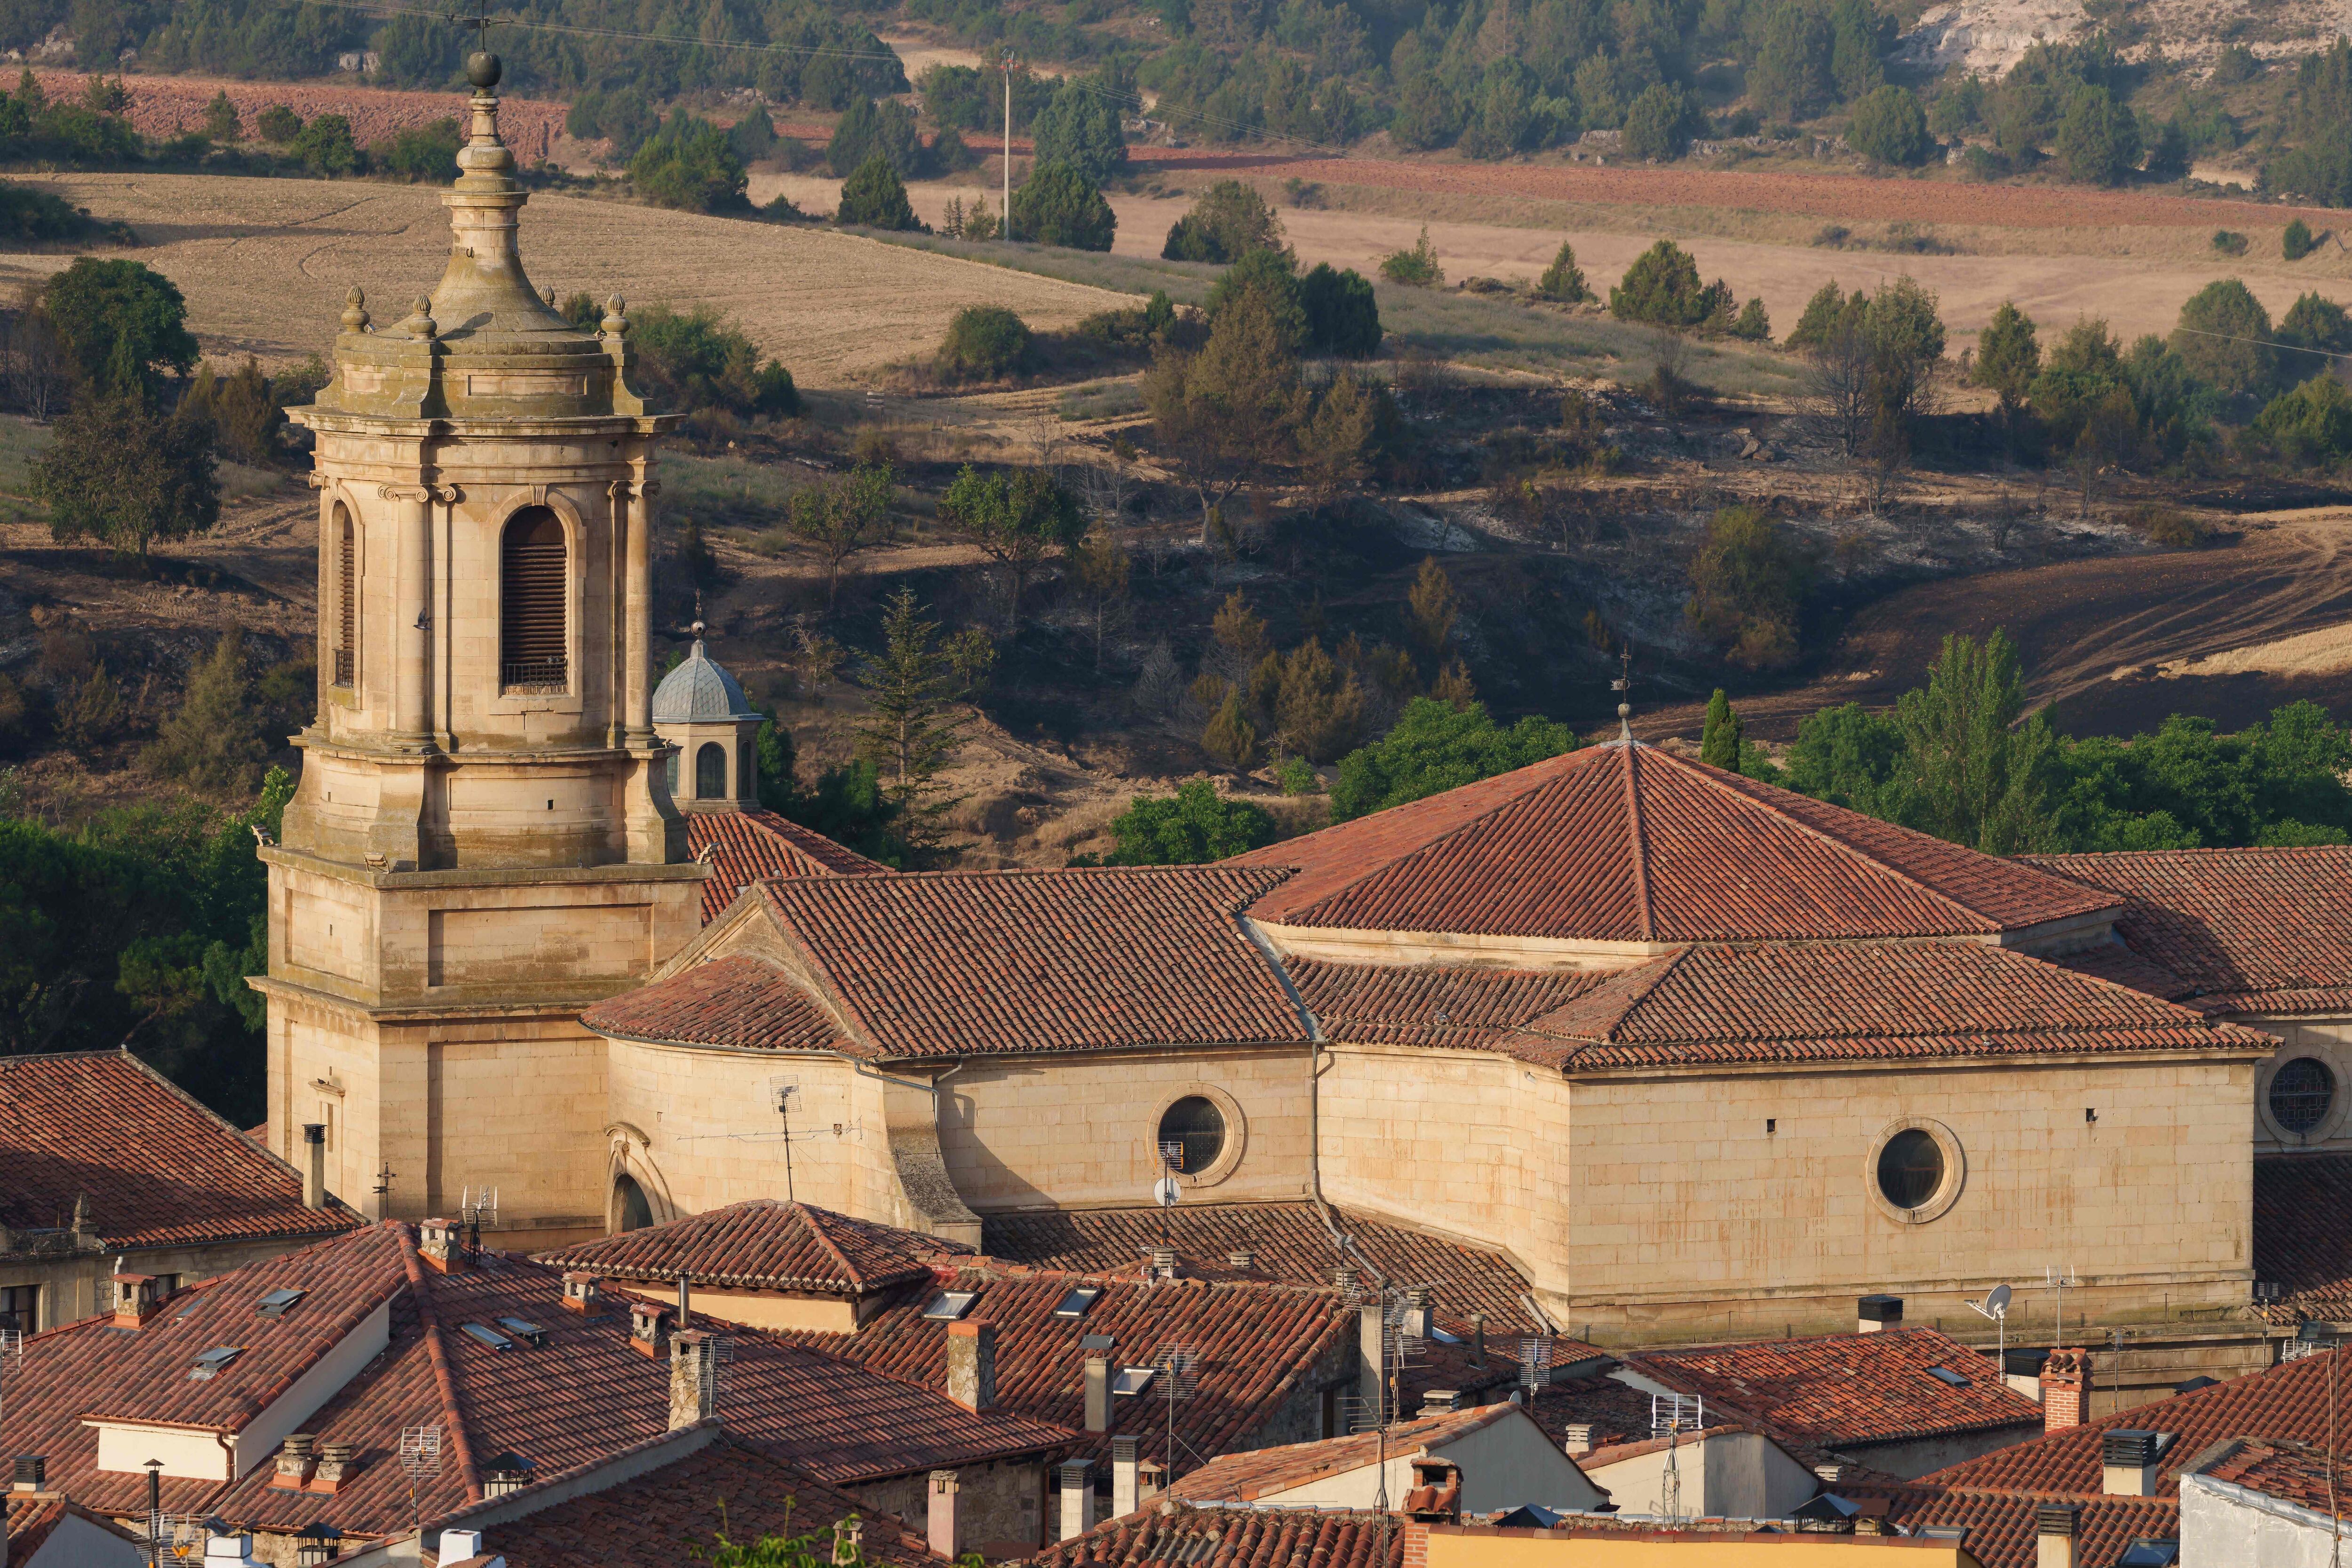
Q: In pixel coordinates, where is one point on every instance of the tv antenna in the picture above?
(473, 1203)
(420, 1457)
(718, 1355)
(1535, 1362)
(2058, 1279)
(1179, 1365)
(383, 1179)
(1996, 1306)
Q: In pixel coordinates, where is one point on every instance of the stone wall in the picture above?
(1000, 1504)
(2330, 1041)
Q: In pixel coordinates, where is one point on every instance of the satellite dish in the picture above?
(1164, 1192)
(1997, 1302)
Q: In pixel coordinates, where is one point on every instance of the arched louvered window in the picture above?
(710, 771)
(535, 596)
(346, 597)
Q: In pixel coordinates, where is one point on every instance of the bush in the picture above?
(2297, 242)
(1417, 267)
(325, 146)
(1563, 281)
(1269, 275)
(1342, 317)
(1057, 205)
(1230, 220)
(38, 217)
(1890, 127)
(986, 342)
(2229, 242)
(1753, 326)
(689, 164)
(277, 124)
(426, 154)
(1435, 747)
(874, 198)
(2314, 422)
(696, 361)
(1747, 588)
(1661, 121)
(1192, 828)
(753, 137)
(2165, 526)
(1661, 289)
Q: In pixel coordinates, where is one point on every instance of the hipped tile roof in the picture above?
(957, 964)
(1169, 1531)
(761, 1245)
(1256, 1344)
(672, 1516)
(159, 1169)
(1625, 842)
(1826, 1002)
(1847, 1390)
(737, 1003)
(2303, 1235)
(1289, 1243)
(746, 847)
(1460, 1006)
(2304, 1474)
(1262, 1472)
(2244, 931)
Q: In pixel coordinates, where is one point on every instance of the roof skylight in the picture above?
(949, 1306)
(1075, 1303)
(482, 1333)
(210, 1362)
(275, 1303)
(1133, 1379)
(1945, 1375)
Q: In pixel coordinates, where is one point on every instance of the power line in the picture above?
(2265, 342)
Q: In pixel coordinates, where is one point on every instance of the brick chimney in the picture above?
(2128, 1461)
(135, 1299)
(338, 1463)
(1078, 1498)
(649, 1328)
(2054, 1526)
(1098, 1393)
(946, 1523)
(1579, 1442)
(439, 1243)
(2065, 1389)
(1124, 1457)
(1875, 1314)
(296, 1461)
(314, 1165)
(693, 1379)
(580, 1294)
(971, 1363)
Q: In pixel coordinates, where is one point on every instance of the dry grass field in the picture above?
(265, 264)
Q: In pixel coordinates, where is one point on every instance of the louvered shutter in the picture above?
(533, 596)
(347, 598)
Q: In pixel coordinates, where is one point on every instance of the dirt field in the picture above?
(265, 264)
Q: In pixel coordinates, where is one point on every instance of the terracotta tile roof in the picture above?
(1833, 1001)
(1261, 1472)
(761, 1245)
(1464, 1007)
(2000, 1524)
(1256, 1344)
(2304, 1474)
(739, 1002)
(28, 1523)
(1841, 1390)
(747, 847)
(660, 1518)
(1617, 1412)
(159, 1169)
(2303, 1235)
(1169, 1531)
(1632, 844)
(2257, 930)
(2119, 966)
(1289, 1243)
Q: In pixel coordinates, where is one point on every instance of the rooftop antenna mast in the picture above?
(2058, 1279)
(1167, 1190)
(473, 1203)
(784, 1088)
(1179, 1378)
(420, 1455)
(1996, 1306)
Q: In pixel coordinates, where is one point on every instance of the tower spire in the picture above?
(484, 290)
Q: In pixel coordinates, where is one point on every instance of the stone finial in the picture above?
(421, 323)
(616, 317)
(547, 295)
(355, 315)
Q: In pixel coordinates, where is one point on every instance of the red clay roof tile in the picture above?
(1460, 1006)
(1261, 1472)
(159, 1169)
(1847, 1390)
(1238, 1538)
(2303, 1235)
(2304, 1474)
(1630, 844)
(739, 1003)
(761, 1245)
(746, 847)
(2000, 1524)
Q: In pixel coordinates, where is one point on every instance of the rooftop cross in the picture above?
(1623, 686)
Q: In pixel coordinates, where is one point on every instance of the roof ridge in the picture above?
(1662, 967)
(1707, 775)
(1637, 844)
(428, 1318)
(824, 1238)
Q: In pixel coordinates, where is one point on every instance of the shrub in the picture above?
(325, 146)
(1661, 121)
(125, 475)
(1342, 317)
(1269, 275)
(2297, 242)
(2165, 526)
(691, 165)
(1753, 325)
(1661, 289)
(696, 361)
(874, 198)
(2229, 242)
(1229, 737)
(1058, 205)
(1747, 588)
(2314, 422)
(1229, 220)
(1889, 126)
(986, 342)
(1192, 828)
(1435, 746)
(277, 124)
(1417, 267)
(753, 137)
(2223, 338)
(428, 152)
(1563, 281)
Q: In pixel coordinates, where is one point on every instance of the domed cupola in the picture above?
(700, 709)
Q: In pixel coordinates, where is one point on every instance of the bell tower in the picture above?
(483, 841)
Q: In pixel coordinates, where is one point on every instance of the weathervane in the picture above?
(1623, 686)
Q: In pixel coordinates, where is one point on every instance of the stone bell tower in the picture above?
(483, 841)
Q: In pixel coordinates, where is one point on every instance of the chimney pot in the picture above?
(580, 1294)
(1242, 1258)
(1078, 1498)
(2065, 1389)
(314, 1165)
(1126, 1496)
(1440, 1400)
(336, 1465)
(2128, 1461)
(32, 1472)
(1580, 1439)
(460, 1545)
(2054, 1529)
(693, 1379)
(1877, 1313)
(1098, 1393)
(649, 1328)
(135, 1299)
(1479, 1338)
(971, 1363)
(297, 1458)
(438, 1245)
(946, 1529)
(1829, 1472)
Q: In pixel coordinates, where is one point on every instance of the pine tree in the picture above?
(1103, 567)
(214, 742)
(1718, 744)
(1563, 281)
(1231, 738)
(1435, 606)
(907, 733)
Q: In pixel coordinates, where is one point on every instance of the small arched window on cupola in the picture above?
(534, 602)
(346, 598)
(710, 771)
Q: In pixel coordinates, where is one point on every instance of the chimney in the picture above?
(1078, 1498)
(1098, 1393)
(971, 1363)
(1829, 1472)
(1344, 1278)
(296, 1461)
(1580, 1439)
(649, 1328)
(693, 1379)
(1422, 1315)
(1370, 1372)
(1151, 1480)
(2053, 1535)
(1242, 1258)
(437, 1243)
(337, 1464)
(1436, 1495)
(1478, 1339)
(2128, 1461)
(228, 1546)
(581, 1295)
(463, 1546)
(2020, 1369)
(134, 1300)
(32, 1472)
(1878, 1314)
(2065, 1389)
(946, 1524)
(314, 1165)
(1440, 1400)
(1163, 1263)
(1124, 1452)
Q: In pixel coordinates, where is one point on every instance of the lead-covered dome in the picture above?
(700, 691)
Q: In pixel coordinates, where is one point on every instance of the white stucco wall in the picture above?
(2226, 1526)
(1731, 1475)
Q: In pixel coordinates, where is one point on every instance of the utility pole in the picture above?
(1007, 223)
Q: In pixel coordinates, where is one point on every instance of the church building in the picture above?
(1700, 1057)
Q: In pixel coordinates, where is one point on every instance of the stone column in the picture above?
(413, 556)
(637, 605)
(616, 662)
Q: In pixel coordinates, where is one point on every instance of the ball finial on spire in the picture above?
(483, 69)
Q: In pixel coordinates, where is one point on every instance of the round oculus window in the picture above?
(2302, 1091)
(1910, 1168)
(1191, 1134)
